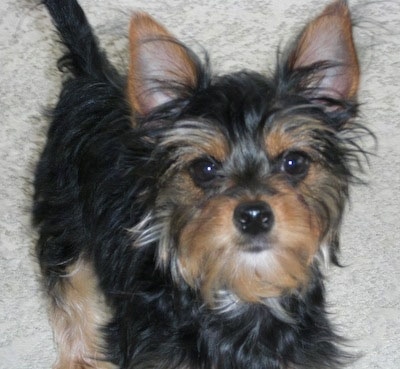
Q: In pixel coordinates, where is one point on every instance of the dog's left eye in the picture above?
(204, 171)
(295, 163)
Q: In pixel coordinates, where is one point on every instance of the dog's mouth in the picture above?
(255, 245)
(256, 248)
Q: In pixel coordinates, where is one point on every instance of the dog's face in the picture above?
(253, 171)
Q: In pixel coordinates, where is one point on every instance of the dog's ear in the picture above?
(161, 68)
(324, 57)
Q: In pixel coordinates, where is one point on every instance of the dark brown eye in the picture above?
(204, 171)
(295, 163)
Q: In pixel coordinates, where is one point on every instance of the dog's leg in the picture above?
(78, 312)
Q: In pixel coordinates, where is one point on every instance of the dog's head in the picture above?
(251, 173)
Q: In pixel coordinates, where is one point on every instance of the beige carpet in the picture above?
(364, 296)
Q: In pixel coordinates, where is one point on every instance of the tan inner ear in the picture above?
(329, 38)
(157, 60)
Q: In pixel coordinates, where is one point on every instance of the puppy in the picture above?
(184, 216)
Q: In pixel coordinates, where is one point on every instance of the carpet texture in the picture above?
(364, 296)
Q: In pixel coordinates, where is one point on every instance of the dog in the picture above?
(184, 217)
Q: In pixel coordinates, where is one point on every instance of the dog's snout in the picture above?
(253, 217)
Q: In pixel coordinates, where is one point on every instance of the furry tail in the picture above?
(85, 58)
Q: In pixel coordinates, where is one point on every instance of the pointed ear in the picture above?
(326, 49)
(160, 67)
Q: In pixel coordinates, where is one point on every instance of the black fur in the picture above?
(98, 177)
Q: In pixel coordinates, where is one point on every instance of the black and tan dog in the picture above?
(184, 216)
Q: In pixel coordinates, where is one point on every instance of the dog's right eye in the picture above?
(204, 171)
(295, 163)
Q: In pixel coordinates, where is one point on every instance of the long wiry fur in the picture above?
(108, 195)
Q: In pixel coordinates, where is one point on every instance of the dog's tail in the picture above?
(84, 57)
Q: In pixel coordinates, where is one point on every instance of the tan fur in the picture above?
(155, 55)
(329, 37)
(77, 313)
(212, 254)
(196, 138)
(292, 133)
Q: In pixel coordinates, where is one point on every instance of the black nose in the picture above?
(253, 217)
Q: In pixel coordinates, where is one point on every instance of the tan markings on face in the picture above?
(204, 245)
(291, 133)
(212, 258)
(78, 313)
(297, 236)
(277, 142)
(192, 139)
